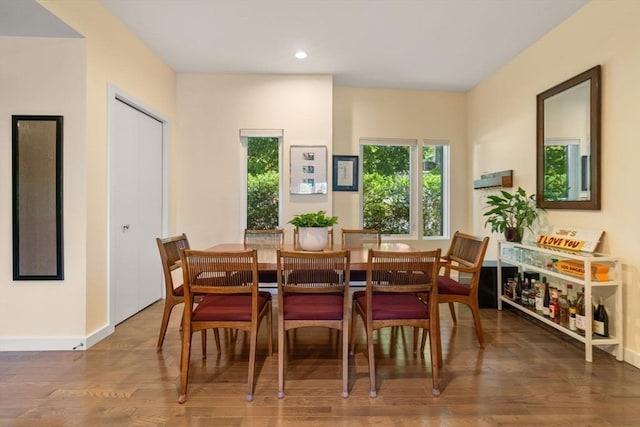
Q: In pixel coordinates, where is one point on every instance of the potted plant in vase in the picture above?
(511, 213)
(313, 229)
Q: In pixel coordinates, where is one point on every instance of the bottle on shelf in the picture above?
(546, 298)
(532, 294)
(572, 318)
(524, 298)
(517, 293)
(563, 302)
(539, 295)
(580, 314)
(554, 305)
(601, 320)
(570, 296)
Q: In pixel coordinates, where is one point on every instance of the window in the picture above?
(262, 202)
(404, 191)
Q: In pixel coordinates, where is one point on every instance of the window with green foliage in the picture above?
(404, 187)
(263, 182)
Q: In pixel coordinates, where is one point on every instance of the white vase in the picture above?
(313, 238)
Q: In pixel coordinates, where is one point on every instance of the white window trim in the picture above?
(415, 184)
(446, 186)
(245, 134)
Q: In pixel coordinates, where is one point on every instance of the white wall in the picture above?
(45, 77)
(502, 130)
(212, 108)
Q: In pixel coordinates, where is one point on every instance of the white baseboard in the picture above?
(55, 343)
(632, 358)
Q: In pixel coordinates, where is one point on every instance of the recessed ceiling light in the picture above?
(301, 54)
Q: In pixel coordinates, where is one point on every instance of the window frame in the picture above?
(415, 185)
(245, 134)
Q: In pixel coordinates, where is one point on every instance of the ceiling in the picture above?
(448, 45)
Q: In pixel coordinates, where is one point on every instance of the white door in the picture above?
(136, 209)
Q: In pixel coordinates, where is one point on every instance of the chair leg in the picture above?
(345, 357)
(168, 307)
(453, 313)
(354, 328)
(252, 362)
(270, 329)
(184, 365)
(372, 362)
(476, 320)
(416, 331)
(282, 351)
(216, 336)
(203, 338)
(435, 348)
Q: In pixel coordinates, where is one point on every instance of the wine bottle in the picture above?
(601, 321)
(518, 291)
(580, 314)
(546, 299)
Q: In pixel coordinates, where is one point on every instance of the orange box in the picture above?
(599, 272)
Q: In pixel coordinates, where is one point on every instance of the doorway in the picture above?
(136, 204)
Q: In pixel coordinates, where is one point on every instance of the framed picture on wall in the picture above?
(345, 173)
(308, 169)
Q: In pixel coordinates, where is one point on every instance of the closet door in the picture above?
(136, 210)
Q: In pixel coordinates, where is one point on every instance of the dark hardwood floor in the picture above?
(527, 374)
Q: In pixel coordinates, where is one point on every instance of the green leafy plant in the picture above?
(314, 219)
(511, 211)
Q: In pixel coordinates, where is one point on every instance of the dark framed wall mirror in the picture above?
(37, 197)
(568, 143)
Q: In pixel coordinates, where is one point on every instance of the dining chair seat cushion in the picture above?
(228, 307)
(313, 306)
(178, 291)
(448, 286)
(390, 305)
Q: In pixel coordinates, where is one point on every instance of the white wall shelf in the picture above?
(531, 257)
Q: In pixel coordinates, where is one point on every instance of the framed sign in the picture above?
(37, 198)
(308, 169)
(571, 238)
(345, 173)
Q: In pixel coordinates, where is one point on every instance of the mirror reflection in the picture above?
(568, 129)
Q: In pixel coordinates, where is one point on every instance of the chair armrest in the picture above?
(461, 268)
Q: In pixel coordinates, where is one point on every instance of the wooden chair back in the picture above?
(466, 254)
(356, 238)
(270, 238)
(169, 249)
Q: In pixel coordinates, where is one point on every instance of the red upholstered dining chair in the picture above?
(465, 255)
(228, 285)
(169, 248)
(313, 290)
(391, 298)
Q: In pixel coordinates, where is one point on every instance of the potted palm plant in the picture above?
(313, 229)
(511, 213)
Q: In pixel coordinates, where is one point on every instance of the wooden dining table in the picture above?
(267, 255)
